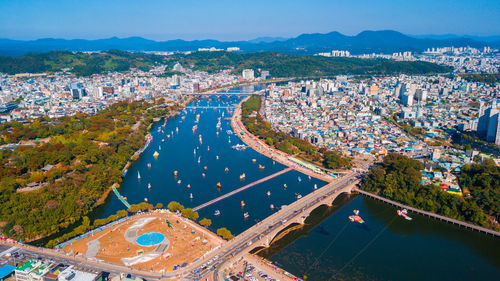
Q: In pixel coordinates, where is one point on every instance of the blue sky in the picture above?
(241, 20)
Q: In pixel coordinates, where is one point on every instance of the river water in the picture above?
(329, 246)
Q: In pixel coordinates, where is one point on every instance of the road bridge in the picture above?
(263, 233)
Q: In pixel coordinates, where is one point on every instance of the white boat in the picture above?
(138, 175)
(246, 215)
(149, 165)
(217, 157)
(179, 182)
(191, 195)
(199, 159)
(271, 206)
(268, 193)
(217, 213)
(315, 186)
(149, 185)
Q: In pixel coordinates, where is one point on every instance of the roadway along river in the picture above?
(384, 248)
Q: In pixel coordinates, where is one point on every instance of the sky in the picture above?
(241, 20)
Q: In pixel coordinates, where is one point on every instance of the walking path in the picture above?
(265, 150)
(229, 194)
(429, 214)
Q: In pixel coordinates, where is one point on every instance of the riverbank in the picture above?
(262, 148)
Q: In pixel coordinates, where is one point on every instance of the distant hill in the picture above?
(279, 65)
(385, 41)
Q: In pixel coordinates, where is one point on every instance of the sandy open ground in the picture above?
(184, 245)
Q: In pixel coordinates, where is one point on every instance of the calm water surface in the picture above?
(329, 247)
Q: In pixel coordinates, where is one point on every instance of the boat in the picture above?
(217, 157)
(175, 173)
(138, 175)
(149, 185)
(208, 148)
(261, 167)
(203, 175)
(239, 147)
(403, 213)
(156, 154)
(299, 179)
(217, 213)
(285, 186)
(145, 199)
(219, 185)
(205, 168)
(254, 160)
(226, 170)
(159, 147)
(195, 127)
(176, 129)
(199, 159)
(217, 133)
(271, 206)
(179, 182)
(125, 172)
(149, 165)
(229, 140)
(168, 136)
(298, 196)
(309, 177)
(242, 204)
(356, 217)
(315, 186)
(190, 195)
(188, 186)
(246, 215)
(268, 193)
(242, 176)
(162, 140)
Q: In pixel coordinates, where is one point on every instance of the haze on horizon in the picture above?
(241, 20)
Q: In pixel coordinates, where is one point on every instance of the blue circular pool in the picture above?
(150, 239)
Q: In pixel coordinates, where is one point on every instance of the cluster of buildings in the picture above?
(464, 59)
(336, 53)
(340, 114)
(411, 115)
(62, 94)
(48, 270)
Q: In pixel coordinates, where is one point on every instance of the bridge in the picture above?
(229, 194)
(210, 107)
(219, 93)
(263, 233)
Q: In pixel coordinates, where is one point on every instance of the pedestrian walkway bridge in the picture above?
(120, 197)
(229, 194)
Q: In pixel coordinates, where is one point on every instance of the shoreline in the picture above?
(255, 143)
(106, 194)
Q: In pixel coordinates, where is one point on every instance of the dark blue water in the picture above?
(177, 154)
(329, 247)
(385, 247)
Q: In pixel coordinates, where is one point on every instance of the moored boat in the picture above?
(219, 185)
(246, 215)
(217, 213)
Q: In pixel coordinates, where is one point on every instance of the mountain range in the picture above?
(384, 41)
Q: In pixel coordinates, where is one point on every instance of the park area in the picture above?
(158, 240)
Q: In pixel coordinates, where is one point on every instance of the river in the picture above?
(329, 246)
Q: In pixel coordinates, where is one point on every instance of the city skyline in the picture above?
(237, 20)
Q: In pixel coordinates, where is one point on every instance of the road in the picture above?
(243, 242)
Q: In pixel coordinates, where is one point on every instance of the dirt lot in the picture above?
(185, 242)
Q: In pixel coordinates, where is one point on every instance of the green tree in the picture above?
(190, 214)
(206, 222)
(175, 206)
(225, 233)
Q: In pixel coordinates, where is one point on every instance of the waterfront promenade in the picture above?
(265, 150)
